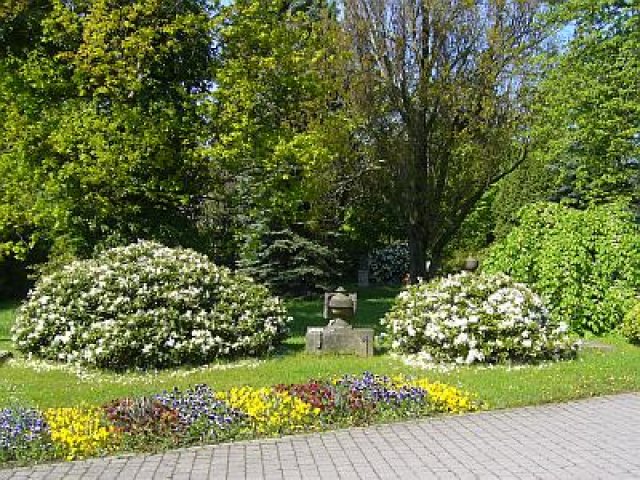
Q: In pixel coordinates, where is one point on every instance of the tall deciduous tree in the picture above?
(586, 132)
(444, 86)
(272, 91)
(100, 118)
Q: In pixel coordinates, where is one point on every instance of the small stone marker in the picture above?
(363, 271)
(338, 336)
(363, 278)
(470, 264)
(4, 356)
(595, 345)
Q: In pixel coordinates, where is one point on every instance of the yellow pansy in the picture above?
(78, 432)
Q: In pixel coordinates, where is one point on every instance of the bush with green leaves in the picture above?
(389, 264)
(146, 305)
(468, 318)
(586, 263)
(631, 325)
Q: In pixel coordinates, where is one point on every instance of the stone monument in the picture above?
(338, 336)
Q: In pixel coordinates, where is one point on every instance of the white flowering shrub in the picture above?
(389, 264)
(146, 305)
(467, 318)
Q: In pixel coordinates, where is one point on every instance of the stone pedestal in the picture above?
(342, 339)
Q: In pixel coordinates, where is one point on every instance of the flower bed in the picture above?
(201, 415)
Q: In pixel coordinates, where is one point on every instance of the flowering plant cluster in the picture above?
(23, 433)
(389, 264)
(270, 411)
(396, 397)
(78, 432)
(146, 305)
(141, 416)
(201, 415)
(68, 433)
(467, 318)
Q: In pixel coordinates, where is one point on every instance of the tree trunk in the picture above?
(435, 262)
(417, 245)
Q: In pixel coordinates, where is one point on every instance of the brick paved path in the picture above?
(596, 438)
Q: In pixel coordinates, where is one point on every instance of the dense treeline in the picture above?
(279, 136)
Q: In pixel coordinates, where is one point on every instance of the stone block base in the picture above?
(357, 341)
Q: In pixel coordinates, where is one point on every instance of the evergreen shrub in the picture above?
(290, 264)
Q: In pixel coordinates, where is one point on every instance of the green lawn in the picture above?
(7, 310)
(595, 372)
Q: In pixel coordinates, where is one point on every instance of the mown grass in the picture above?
(595, 372)
(7, 312)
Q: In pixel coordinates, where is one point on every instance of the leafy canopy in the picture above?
(101, 123)
(586, 129)
(586, 263)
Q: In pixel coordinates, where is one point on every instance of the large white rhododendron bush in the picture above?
(468, 318)
(146, 305)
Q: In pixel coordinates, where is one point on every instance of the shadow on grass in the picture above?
(297, 345)
(7, 314)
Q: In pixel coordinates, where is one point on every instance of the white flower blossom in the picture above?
(469, 318)
(172, 305)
